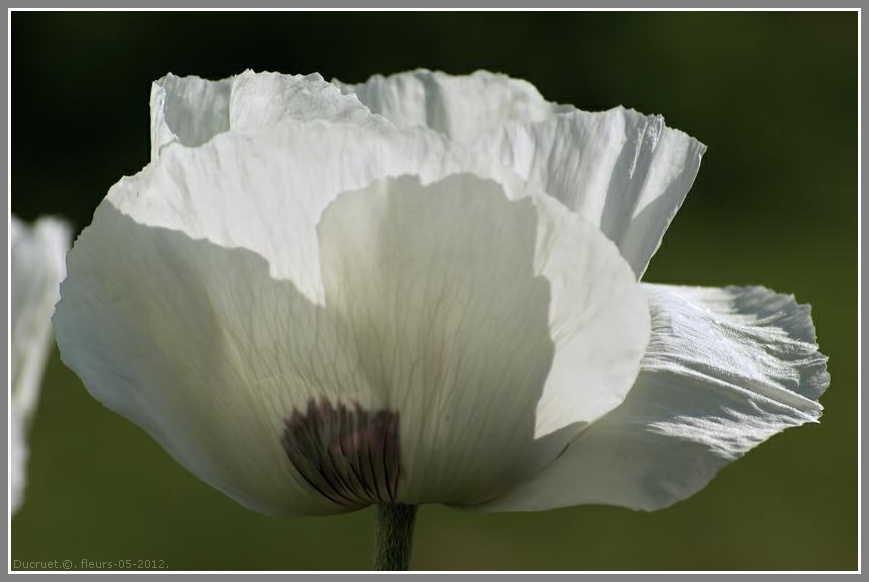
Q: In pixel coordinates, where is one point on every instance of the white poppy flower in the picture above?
(37, 266)
(422, 289)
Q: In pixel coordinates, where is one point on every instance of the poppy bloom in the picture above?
(37, 255)
(422, 289)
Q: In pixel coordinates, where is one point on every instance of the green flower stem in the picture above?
(394, 532)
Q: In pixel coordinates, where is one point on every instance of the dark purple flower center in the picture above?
(350, 455)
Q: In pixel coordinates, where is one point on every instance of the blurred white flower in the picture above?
(321, 296)
(37, 255)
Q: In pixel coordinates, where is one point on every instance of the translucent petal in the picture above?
(191, 110)
(726, 369)
(201, 347)
(219, 348)
(220, 352)
(625, 172)
(265, 191)
(460, 107)
(497, 328)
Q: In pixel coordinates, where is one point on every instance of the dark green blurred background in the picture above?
(773, 95)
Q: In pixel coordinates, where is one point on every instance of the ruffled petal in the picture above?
(261, 100)
(191, 110)
(37, 255)
(498, 328)
(725, 370)
(626, 172)
(459, 107)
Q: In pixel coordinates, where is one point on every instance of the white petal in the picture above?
(460, 107)
(212, 356)
(38, 265)
(18, 453)
(201, 347)
(261, 100)
(625, 172)
(191, 110)
(171, 321)
(37, 254)
(498, 328)
(265, 191)
(726, 369)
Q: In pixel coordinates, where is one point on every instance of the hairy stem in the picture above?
(394, 536)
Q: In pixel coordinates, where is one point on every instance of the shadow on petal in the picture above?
(439, 286)
(201, 347)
